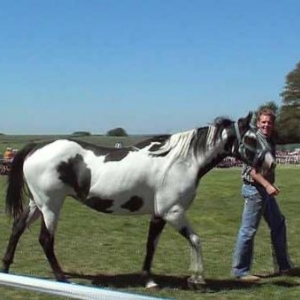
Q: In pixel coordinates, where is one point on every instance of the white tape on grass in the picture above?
(65, 289)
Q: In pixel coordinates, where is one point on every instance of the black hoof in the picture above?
(63, 279)
(4, 270)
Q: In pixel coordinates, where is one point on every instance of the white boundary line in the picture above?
(75, 291)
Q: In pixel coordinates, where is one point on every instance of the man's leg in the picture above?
(276, 223)
(242, 258)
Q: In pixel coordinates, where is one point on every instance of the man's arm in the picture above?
(270, 188)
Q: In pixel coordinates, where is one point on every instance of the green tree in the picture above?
(117, 132)
(291, 92)
(289, 114)
(81, 133)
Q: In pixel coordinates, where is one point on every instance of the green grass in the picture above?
(104, 250)
(18, 141)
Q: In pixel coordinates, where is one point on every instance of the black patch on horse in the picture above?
(76, 174)
(100, 204)
(160, 139)
(111, 154)
(133, 204)
(97, 150)
(116, 154)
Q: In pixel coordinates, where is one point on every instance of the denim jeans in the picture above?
(257, 204)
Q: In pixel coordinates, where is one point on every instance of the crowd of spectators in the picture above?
(282, 157)
(288, 157)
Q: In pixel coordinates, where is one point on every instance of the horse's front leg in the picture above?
(176, 217)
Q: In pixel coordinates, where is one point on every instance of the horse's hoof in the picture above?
(196, 282)
(4, 270)
(63, 280)
(151, 285)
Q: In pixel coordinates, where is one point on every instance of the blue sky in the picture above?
(156, 66)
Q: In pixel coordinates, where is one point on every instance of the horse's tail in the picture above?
(15, 183)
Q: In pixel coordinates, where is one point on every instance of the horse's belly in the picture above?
(121, 201)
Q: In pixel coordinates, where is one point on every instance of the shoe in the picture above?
(290, 272)
(248, 278)
(268, 275)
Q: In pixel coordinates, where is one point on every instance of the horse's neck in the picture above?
(209, 162)
(211, 154)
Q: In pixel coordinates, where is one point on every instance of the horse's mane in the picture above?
(207, 136)
(219, 124)
(178, 143)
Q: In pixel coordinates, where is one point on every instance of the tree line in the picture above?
(288, 114)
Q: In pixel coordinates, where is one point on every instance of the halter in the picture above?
(240, 140)
(259, 155)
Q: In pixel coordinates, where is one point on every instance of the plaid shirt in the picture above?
(246, 169)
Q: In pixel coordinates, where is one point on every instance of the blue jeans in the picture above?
(259, 203)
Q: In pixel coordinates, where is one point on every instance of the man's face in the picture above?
(265, 125)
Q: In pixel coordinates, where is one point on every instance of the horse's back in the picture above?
(120, 181)
(41, 167)
(65, 167)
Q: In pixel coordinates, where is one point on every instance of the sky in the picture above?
(156, 66)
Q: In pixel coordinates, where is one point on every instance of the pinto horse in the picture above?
(158, 176)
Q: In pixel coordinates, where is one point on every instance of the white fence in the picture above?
(74, 291)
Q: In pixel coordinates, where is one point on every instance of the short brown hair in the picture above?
(267, 112)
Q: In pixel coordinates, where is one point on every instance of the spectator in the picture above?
(8, 155)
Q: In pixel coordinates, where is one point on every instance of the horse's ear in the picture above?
(245, 122)
(249, 117)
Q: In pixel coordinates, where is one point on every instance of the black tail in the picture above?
(15, 184)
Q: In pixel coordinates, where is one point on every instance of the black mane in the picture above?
(160, 139)
(219, 123)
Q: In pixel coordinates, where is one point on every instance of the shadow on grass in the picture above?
(133, 280)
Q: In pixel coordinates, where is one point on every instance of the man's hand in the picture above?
(272, 190)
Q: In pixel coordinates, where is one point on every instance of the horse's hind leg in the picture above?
(46, 240)
(29, 216)
(156, 226)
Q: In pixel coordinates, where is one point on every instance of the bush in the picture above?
(117, 132)
(81, 133)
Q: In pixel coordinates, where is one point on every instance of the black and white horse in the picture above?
(158, 177)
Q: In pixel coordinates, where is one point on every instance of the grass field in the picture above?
(18, 141)
(102, 250)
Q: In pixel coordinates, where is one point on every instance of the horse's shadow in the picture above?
(134, 280)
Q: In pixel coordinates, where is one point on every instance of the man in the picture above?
(258, 191)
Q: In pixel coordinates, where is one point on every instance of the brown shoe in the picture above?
(248, 278)
(290, 272)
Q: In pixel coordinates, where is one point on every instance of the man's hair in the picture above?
(267, 112)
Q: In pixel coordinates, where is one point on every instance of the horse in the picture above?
(158, 176)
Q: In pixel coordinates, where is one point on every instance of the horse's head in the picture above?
(249, 148)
